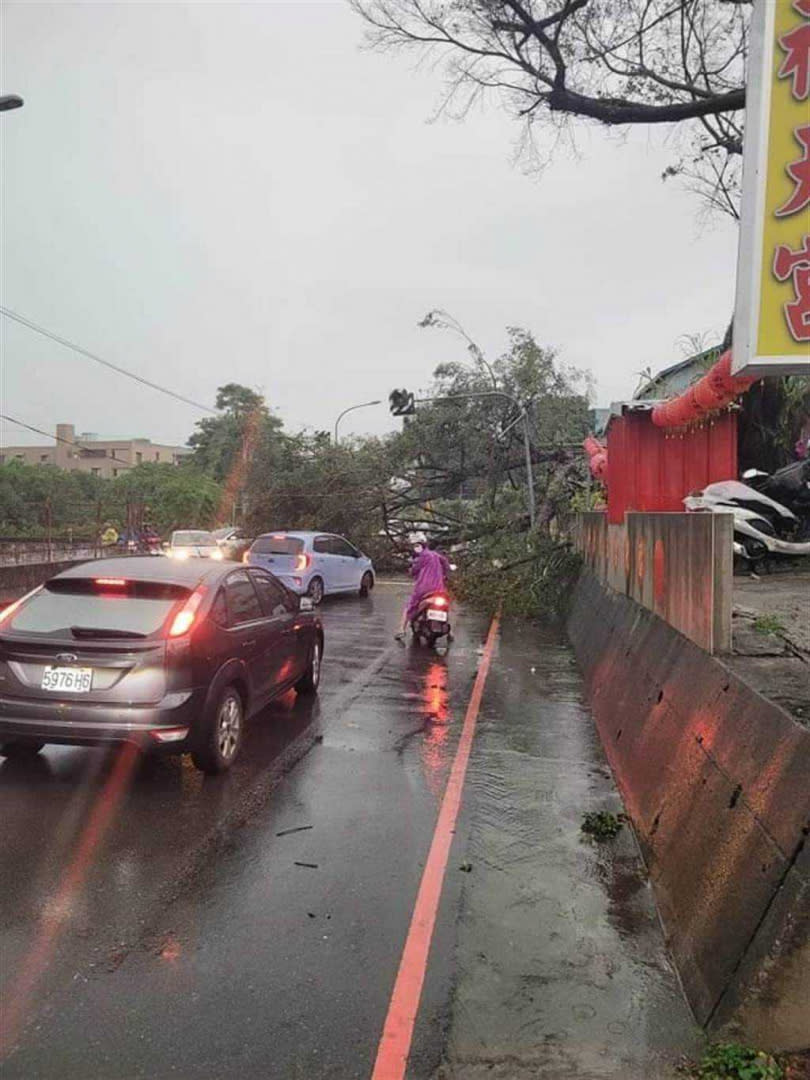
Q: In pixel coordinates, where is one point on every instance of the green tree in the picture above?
(304, 481)
(36, 499)
(165, 496)
(465, 448)
(221, 443)
(772, 417)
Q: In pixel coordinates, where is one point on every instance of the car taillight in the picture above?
(302, 562)
(7, 612)
(110, 582)
(184, 619)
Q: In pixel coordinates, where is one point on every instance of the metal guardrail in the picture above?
(28, 552)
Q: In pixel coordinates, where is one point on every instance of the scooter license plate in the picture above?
(437, 616)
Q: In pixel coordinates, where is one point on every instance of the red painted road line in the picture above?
(395, 1042)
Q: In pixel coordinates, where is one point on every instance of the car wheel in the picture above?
(222, 734)
(315, 591)
(20, 749)
(367, 584)
(308, 683)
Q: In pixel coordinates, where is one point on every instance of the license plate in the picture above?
(437, 616)
(75, 680)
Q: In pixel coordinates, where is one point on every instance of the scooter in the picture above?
(432, 619)
(789, 486)
(762, 526)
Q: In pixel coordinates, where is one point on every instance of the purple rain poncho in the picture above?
(430, 570)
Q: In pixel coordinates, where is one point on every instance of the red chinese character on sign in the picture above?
(796, 44)
(796, 263)
(799, 172)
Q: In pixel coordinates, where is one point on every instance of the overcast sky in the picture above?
(221, 192)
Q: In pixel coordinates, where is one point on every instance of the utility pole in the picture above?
(522, 418)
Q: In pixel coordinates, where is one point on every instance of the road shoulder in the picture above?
(561, 965)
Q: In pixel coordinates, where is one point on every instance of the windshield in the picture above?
(278, 545)
(191, 537)
(76, 607)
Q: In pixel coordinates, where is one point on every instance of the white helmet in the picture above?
(417, 538)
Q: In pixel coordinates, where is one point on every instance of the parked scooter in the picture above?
(432, 620)
(762, 526)
(789, 486)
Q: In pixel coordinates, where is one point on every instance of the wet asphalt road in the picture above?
(155, 923)
(188, 940)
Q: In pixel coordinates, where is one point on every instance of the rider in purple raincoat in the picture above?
(430, 569)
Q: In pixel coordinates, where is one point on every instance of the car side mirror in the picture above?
(306, 604)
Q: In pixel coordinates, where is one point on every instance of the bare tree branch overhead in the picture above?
(618, 62)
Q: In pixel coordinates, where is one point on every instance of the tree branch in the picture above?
(620, 111)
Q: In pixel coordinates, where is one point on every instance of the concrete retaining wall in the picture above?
(715, 780)
(681, 566)
(17, 580)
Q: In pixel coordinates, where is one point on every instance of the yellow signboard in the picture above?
(772, 311)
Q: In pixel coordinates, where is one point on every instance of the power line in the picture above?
(58, 438)
(100, 360)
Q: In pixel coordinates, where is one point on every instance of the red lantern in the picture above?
(709, 396)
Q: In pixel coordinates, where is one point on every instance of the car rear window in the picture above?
(278, 545)
(78, 607)
(203, 539)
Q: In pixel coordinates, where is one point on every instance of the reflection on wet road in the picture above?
(187, 872)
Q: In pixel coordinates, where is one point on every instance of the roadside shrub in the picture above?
(733, 1061)
(602, 825)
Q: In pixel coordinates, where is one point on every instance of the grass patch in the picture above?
(602, 825)
(733, 1061)
(768, 624)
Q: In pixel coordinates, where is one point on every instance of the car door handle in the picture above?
(247, 644)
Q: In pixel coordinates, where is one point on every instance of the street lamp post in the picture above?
(10, 101)
(351, 408)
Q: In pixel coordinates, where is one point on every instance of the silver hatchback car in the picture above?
(314, 564)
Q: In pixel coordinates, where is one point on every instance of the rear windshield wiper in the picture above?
(100, 632)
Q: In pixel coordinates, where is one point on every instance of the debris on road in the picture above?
(298, 828)
(308, 865)
(602, 825)
(466, 868)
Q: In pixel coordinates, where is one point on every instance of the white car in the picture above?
(193, 544)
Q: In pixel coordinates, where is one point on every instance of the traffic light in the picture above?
(401, 403)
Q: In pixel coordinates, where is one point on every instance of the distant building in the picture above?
(599, 420)
(675, 379)
(87, 453)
